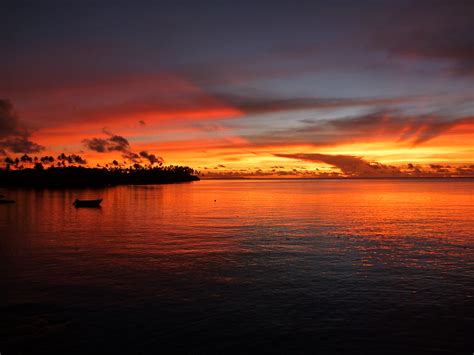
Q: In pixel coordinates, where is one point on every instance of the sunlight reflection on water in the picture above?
(284, 266)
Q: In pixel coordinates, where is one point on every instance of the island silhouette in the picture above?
(70, 171)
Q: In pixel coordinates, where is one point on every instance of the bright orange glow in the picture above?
(173, 118)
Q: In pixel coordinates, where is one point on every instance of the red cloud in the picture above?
(123, 100)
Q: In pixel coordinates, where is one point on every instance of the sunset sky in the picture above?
(243, 88)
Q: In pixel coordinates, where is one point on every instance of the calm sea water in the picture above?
(350, 266)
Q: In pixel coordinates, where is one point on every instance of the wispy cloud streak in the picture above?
(387, 125)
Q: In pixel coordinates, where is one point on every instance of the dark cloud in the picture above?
(265, 104)
(20, 144)
(358, 167)
(434, 29)
(97, 144)
(118, 143)
(133, 157)
(153, 159)
(416, 129)
(14, 137)
(113, 143)
(433, 128)
(384, 125)
(351, 166)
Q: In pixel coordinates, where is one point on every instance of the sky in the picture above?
(292, 89)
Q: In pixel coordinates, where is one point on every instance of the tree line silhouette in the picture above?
(70, 171)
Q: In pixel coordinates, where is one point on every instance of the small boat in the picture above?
(87, 203)
(4, 202)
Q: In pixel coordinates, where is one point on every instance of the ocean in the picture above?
(241, 266)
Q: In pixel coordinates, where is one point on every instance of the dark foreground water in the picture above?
(240, 266)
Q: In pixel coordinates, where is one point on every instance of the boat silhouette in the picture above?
(87, 203)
